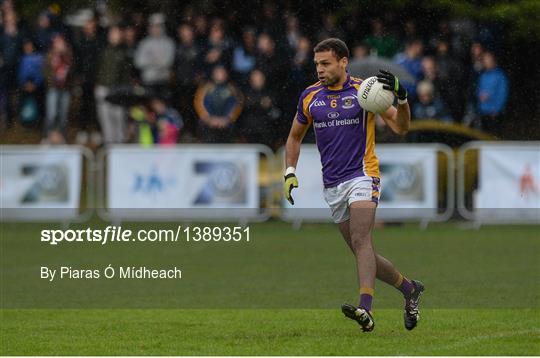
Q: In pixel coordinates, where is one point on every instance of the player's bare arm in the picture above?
(398, 119)
(292, 148)
(292, 152)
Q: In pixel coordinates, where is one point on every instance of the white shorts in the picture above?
(357, 189)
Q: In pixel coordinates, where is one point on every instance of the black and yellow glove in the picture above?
(290, 182)
(392, 83)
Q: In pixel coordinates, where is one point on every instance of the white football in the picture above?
(373, 97)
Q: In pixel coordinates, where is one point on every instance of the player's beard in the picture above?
(331, 80)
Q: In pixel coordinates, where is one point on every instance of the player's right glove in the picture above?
(290, 182)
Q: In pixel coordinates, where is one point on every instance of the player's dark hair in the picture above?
(335, 45)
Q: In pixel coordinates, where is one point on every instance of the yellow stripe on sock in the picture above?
(399, 281)
(367, 291)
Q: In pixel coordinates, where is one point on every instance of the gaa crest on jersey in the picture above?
(348, 102)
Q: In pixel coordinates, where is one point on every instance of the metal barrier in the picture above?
(269, 169)
(216, 172)
(39, 185)
(495, 186)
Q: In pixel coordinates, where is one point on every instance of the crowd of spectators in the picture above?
(214, 82)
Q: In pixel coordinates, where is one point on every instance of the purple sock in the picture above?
(365, 301)
(406, 287)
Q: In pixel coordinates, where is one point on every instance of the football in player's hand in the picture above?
(373, 97)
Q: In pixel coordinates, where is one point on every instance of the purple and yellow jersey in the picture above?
(345, 133)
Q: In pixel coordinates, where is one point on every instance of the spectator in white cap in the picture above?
(429, 105)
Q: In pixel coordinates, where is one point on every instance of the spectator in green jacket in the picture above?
(112, 71)
(382, 43)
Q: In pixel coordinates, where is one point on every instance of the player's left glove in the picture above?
(290, 182)
(392, 83)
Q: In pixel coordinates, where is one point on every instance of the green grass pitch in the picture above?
(482, 298)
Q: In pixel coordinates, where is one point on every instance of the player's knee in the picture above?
(360, 242)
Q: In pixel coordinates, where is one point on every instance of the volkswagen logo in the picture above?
(226, 179)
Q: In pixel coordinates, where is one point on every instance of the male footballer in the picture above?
(345, 135)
